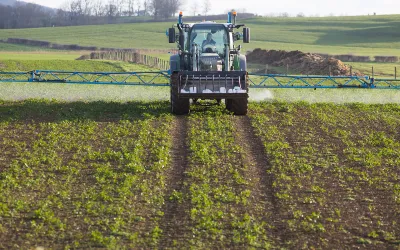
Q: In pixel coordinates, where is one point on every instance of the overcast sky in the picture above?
(293, 7)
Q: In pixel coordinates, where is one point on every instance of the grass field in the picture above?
(130, 175)
(383, 70)
(39, 55)
(19, 48)
(365, 35)
(380, 69)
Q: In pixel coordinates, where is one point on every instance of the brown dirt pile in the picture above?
(304, 63)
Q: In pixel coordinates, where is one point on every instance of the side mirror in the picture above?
(246, 35)
(171, 35)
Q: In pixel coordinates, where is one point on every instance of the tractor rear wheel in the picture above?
(239, 106)
(179, 106)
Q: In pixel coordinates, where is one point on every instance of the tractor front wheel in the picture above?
(228, 104)
(179, 106)
(239, 106)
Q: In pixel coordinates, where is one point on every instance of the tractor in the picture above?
(208, 66)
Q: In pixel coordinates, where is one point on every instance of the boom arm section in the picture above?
(162, 78)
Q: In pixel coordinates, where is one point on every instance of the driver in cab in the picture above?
(208, 41)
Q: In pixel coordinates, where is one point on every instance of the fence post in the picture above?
(266, 69)
(395, 73)
(330, 70)
(373, 75)
(287, 69)
(351, 70)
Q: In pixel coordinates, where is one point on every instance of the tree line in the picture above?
(84, 12)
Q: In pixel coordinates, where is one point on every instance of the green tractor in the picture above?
(209, 66)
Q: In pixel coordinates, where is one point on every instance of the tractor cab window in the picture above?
(209, 39)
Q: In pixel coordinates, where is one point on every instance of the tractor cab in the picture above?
(211, 41)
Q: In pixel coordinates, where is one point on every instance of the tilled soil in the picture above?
(293, 176)
(305, 63)
(173, 224)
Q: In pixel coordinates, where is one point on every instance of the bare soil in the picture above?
(265, 205)
(175, 218)
(305, 63)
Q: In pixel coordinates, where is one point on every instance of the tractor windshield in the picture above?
(209, 38)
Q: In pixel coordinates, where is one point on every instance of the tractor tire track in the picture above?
(175, 218)
(264, 204)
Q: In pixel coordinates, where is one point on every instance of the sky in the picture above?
(293, 7)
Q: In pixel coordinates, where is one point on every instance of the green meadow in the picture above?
(362, 35)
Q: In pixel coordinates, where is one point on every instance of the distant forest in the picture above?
(89, 12)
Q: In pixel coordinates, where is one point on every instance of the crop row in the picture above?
(335, 171)
(83, 183)
(106, 175)
(217, 196)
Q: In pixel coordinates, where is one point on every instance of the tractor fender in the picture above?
(243, 63)
(174, 62)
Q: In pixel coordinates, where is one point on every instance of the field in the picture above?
(130, 175)
(93, 167)
(39, 55)
(70, 92)
(363, 35)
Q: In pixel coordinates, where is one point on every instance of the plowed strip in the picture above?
(261, 182)
(173, 222)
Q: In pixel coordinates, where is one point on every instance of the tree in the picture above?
(164, 8)
(87, 7)
(139, 6)
(195, 8)
(111, 10)
(120, 4)
(206, 7)
(242, 10)
(98, 8)
(147, 6)
(284, 14)
(131, 7)
(173, 7)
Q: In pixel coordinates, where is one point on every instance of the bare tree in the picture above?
(87, 7)
(131, 7)
(206, 7)
(111, 10)
(242, 10)
(172, 6)
(284, 14)
(271, 14)
(139, 6)
(195, 8)
(98, 8)
(164, 8)
(120, 6)
(147, 7)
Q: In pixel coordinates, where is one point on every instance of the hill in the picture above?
(8, 2)
(361, 35)
(14, 2)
